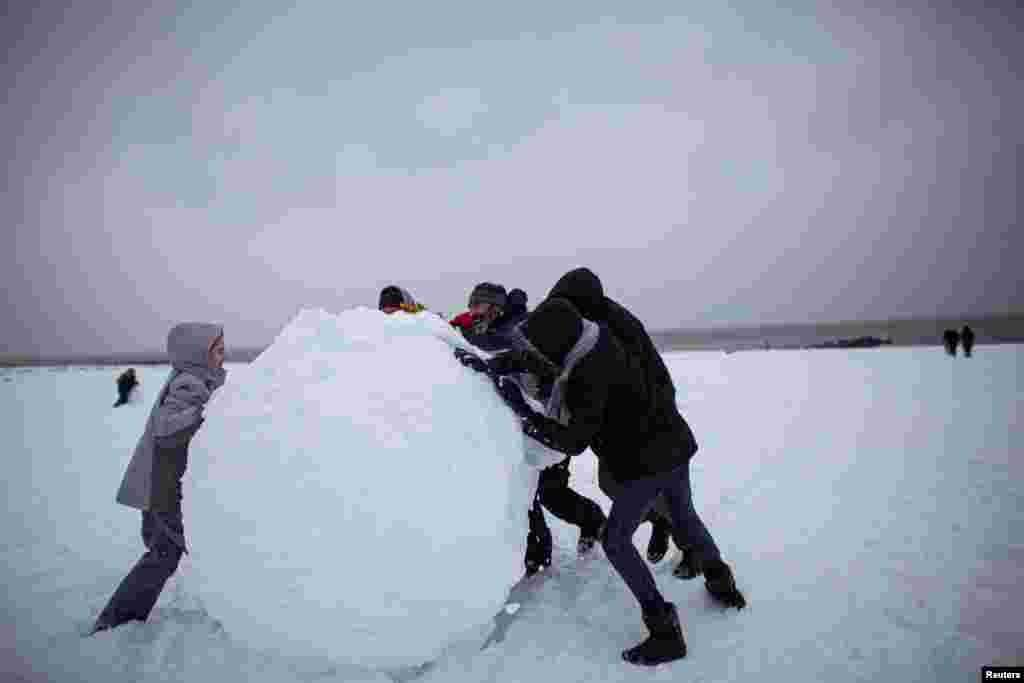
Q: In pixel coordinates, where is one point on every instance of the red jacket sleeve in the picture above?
(463, 321)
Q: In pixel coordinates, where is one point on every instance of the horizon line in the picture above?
(153, 356)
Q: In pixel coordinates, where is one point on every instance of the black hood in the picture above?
(553, 328)
(583, 289)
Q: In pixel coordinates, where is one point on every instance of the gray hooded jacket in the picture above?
(152, 479)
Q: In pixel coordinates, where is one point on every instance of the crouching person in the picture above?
(599, 395)
(152, 481)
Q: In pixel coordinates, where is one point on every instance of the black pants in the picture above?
(630, 508)
(163, 535)
(564, 503)
(553, 493)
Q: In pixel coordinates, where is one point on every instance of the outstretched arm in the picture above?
(587, 403)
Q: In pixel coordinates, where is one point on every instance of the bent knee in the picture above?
(167, 556)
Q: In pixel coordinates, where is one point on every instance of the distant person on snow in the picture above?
(584, 290)
(950, 339)
(152, 481)
(599, 397)
(125, 383)
(394, 298)
(553, 490)
(967, 337)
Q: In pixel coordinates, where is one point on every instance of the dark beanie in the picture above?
(554, 327)
(516, 297)
(488, 293)
(390, 296)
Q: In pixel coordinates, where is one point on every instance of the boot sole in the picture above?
(642, 661)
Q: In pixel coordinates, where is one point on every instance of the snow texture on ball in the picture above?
(357, 492)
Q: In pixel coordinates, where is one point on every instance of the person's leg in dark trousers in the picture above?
(538, 540)
(658, 515)
(629, 509)
(568, 505)
(687, 524)
(718, 576)
(139, 590)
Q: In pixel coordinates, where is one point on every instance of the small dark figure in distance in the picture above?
(951, 339)
(967, 338)
(125, 383)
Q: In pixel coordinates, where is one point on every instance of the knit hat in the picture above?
(516, 297)
(391, 296)
(553, 328)
(488, 293)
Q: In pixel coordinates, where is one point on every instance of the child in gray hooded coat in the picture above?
(152, 481)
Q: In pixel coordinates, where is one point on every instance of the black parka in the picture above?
(611, 411)
(584, 290)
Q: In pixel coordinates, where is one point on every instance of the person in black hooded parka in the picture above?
(600, 398)
(583, 289)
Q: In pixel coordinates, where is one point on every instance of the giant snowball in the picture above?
(355, 492)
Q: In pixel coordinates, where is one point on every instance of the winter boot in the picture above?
(588, 539)
(666, 642)
(658, 545)
(538, 554)
(688, 567)
(721, 584)
(535, 565)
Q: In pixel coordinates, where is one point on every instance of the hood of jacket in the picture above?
(188, 347)
(583, 288)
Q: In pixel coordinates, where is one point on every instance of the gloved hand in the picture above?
(472, 361)
(507, 363)
(513, 397)
(512, 362)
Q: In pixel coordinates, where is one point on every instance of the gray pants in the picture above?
(163, 535)
(629, 509)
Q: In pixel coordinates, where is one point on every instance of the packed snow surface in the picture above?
(870, 502)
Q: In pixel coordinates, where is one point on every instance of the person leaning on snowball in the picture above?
(486, 305)
(599, 396)
(152, 481)
(553, 490)
(394, 299)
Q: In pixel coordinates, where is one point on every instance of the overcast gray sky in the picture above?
(715, 164)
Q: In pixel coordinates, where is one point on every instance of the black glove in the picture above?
(513, 397)
(505, 363)
(472, 361)
(512, 362)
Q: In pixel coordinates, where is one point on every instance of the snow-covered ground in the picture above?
(870, 502)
